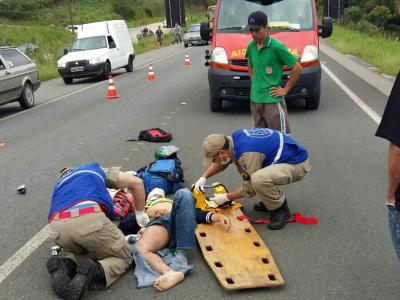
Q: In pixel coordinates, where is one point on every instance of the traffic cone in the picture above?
(2, 144)
(187, 62)
(152, 76)
(112, 92)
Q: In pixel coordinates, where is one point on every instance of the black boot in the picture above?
(261, 207)
(62, 270)
(279, 217)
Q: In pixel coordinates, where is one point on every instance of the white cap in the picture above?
(153, 193)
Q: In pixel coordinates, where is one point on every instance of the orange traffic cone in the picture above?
(2, 144)
(112, 92)
(187, 62)
(152, 76)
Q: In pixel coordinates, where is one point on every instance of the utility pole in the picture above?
(70, 4)
(398, 7)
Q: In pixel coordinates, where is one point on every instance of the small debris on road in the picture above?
(21, 189)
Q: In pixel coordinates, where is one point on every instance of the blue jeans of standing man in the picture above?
(181, 222)
(394, 223)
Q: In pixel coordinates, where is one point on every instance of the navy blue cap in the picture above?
(257, 20)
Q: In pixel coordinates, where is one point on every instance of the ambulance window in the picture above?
(111, 42)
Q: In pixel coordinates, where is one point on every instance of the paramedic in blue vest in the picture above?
(79, 219)
(266, 159)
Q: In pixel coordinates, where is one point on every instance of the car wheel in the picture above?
(215, 104)
(186, 45)
(27, 98)
(129, 66)
(313, 102)
(68, 80)
(107, 70)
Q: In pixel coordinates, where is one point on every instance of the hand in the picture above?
(277, 92)
(220, 198)
(141, 218)
(219, 218)
(199, 185)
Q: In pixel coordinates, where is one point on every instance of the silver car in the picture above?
(192, 36)
(18, 78)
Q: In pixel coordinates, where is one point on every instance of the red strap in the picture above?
(295, 218)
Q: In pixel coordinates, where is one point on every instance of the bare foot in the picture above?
(168, 280)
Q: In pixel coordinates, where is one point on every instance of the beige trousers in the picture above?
(94, 236)
(270, 115)
(266, 181)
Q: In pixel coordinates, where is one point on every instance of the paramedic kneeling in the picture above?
(79, 221)
(265, 158)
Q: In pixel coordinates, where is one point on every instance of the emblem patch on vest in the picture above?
(258, 132)
(269, 69)
(245, 176)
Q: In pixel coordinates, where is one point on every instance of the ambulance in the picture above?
(293, 22)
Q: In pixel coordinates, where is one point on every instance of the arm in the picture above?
(294, 77)
(394, 172)
(135, 186)
(203, 216)
(211, 170)
(251, 163)
(251, 71)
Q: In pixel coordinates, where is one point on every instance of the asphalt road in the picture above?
(348, 255)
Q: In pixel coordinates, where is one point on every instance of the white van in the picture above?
(99, 48)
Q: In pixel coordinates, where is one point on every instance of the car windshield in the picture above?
(283, 15)
(89, 43)
(194, 28)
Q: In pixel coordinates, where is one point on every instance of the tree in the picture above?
(70, 4)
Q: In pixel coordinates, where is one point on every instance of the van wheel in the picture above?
(68, 80)
(27, 98)
(313, 102)
(186, 45)
(107, 70)
(129, 66)
(215, 104)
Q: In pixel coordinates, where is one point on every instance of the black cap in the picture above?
(257, 20)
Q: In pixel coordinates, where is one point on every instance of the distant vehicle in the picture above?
(18, 78)
(100, 47)
(192, 36)
(28, 48)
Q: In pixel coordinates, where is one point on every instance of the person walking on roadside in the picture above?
(266, 58)
(389, 129)
(265, 159)
(159, 36)
(79, 220)
(177, 34)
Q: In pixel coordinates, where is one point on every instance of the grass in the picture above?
(378, 50)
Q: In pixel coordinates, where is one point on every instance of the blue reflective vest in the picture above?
(86, 182)
(277, 147)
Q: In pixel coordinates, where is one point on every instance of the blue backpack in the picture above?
(166, 174)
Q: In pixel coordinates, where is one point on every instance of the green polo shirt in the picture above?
(267, 63)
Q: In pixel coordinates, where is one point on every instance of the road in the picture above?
(348, 255)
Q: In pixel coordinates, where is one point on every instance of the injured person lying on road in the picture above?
(159, 248)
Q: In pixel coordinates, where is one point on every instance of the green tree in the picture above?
(379, 15)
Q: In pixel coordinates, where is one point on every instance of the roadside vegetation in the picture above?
(43, 22)
(370, 30)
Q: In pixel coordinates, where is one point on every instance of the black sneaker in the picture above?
(61, 270)
(261, 207)
(279, 217)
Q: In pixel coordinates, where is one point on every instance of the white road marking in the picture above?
(368, 110)
(14, 261)
(23, 253)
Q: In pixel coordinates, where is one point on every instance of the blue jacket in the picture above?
(86, 182)
(277, 147)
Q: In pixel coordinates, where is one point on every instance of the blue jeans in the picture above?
(394, 223)
(181, 222)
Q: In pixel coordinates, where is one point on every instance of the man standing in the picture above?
(159, 36)
(389, 129)
(266, 58)
(265, 159)
(79, 222)
(177, 34)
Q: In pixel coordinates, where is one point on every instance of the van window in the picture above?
(2, 67)
(89, 43)
(111, 42)
(284, 15)
(14, 58)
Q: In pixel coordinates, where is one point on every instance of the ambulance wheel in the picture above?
(107, 70)
(215, 104)
(313, 102)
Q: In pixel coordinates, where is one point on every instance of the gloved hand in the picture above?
(141, 218)
(220, 198)
(199, 185)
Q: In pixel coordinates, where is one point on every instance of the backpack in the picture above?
(155, 135)
(166, 174)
